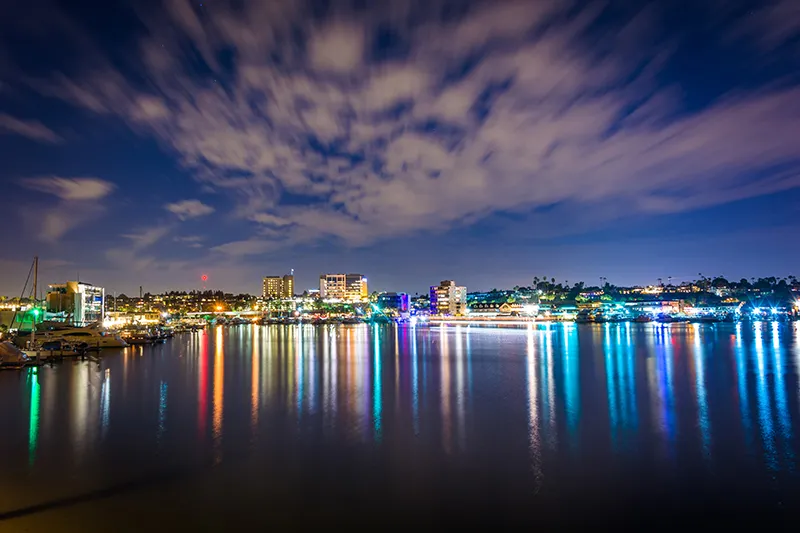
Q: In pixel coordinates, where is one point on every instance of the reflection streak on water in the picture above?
(334, 388)
(613, 407)
(255, 377)
(81, 391)
(219, 392)
(447, 430)
(162, 410)
(700, 390)
(572, 379)
(299, 368)
(414, 380)
(202, 386)
(781, 404)
(740, 355)
(377, 393)
(534, 439)
(763, 398)
(33, 414)
(105, 402)
(460, 400)
(552, 434)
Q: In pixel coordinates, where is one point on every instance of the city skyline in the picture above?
(486, 142)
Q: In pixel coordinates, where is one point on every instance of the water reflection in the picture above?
(33, 416)
(534, 440)
(700, 390)
(219, 391)
(162, 410)
(447, 430)
(619, 362)
(105, 402)
(377, 393)
(572, 380)
(527, 399)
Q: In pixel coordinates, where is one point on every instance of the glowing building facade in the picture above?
(279, 287)
(345, 287)
(81, 302)
(448, 299)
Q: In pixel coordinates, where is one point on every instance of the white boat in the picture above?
(93, 337)
(11, 356)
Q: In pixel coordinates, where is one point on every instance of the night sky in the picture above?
(148, 143)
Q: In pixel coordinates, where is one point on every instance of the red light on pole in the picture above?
(204, 278)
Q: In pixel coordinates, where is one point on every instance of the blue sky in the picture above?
(148, 143)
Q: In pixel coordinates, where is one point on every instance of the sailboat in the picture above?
(44, 348)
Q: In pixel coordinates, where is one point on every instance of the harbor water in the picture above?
(293, 427)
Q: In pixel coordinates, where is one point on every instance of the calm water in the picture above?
(292, 426)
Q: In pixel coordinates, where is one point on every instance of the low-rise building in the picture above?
(393, 301)
(81, 303)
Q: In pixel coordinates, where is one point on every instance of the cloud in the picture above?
(192, 241)
(773, 24)
(246, 247)
(510, 106)
(78, 203)
(269, 220)
(32, 129)
(147, 237)
(71, 189)
(338, 48)
(187, 209)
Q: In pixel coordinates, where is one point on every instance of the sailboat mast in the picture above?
(35, 289)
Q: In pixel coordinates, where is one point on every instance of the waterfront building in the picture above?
(81, 303)
(345, 287)
(280, 287)
(448, 299)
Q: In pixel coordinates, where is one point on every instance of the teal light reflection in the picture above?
(33, 415)
(630, 358)
(377, 393)
(572, 379)
(613, 407)
(162, 410)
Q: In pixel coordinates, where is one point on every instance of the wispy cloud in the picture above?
(32, 129)
(71, 189)
(247, 247)
(147, 237)
(504, 106)
(187, 209)
(78, 203)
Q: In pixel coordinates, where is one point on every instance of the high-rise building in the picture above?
(81, 302)
(448, 299)
(288, 285)
(347, 287)
(278, 286)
